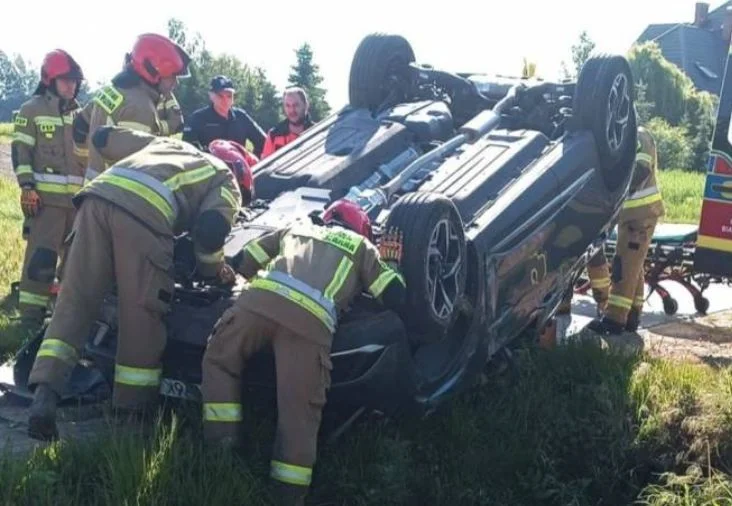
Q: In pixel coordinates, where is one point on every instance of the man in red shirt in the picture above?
(296, 106)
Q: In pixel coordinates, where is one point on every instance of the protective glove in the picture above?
(226, 274)
(30, 202)
(391, 247)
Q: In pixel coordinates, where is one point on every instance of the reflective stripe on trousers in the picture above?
(290, 473)
(137, 376)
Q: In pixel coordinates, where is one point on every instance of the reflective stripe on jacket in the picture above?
(43, 148)
(134, 107)
(318, 270)
(644, 199)
(167, 184)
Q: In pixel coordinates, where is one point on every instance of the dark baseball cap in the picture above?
(221, 83)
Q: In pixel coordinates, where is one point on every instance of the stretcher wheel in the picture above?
(670, 306)
(701, 304)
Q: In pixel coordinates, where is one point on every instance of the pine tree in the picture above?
(306, 74)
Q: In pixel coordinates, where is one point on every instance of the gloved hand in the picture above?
(30, 202)
(391, 247)
(226, 274)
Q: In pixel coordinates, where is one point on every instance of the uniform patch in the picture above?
(342, 240)
(21, 121)
(109, 99)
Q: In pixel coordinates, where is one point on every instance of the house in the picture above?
(700, 48)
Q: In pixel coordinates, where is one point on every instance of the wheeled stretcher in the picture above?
(670, 258)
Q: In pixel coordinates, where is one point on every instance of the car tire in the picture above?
(604, 104)
(434, 262)
(380, 64)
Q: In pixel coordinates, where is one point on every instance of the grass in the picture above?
(682, 195)
(6, 130)
(575, 426)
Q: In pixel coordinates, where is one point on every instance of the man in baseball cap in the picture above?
(221, 120)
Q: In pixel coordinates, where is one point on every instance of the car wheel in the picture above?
(380, 67)
(603, 104)
(433, 262)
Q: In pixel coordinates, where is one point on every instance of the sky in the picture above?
(449, 35)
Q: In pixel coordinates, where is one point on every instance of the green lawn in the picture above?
(6, 130)
(682, 195)
(575, 426)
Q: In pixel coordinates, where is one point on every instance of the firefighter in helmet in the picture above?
(137, 96)
(49, 173)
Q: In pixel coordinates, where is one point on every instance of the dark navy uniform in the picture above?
(206, 125)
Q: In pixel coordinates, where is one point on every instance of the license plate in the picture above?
(180, 389)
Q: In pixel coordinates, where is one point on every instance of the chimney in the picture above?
(727, 25)
(700, 14)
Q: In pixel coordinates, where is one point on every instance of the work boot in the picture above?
(606, 326)
(42, 418)
(633, 320)
(289, 495)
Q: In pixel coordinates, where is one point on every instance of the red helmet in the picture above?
(59, 63)
(350, 215)
(240, 161)
(154, 57)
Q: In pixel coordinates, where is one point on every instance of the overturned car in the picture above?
(501, 189)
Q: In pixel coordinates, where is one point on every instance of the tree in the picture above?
(667, 87)
(17, 82)
(699, 119)
(581, 51)
(672, 143)
(306, 74)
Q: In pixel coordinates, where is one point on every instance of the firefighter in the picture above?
(139, 94)
(300, 277)
(128, 216)
(637, 222)
(297, 111)
(49, 173)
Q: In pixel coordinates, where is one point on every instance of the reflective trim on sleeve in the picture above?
(257, 252)
(222, 412)
(164, 127)
(380, 284)
(32, 299)
(600, 282)
(56, 348)
(144, 186)
(291, 474)
(137, 376)
(24, 138)
(23, 169)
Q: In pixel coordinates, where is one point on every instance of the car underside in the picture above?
(500, 188)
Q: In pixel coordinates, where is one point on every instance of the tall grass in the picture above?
(682, 195)
(6, 130)
(579, 425)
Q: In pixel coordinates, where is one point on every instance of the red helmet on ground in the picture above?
(154, 57)
(240, 161)
(350, 215)
(59, 63)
